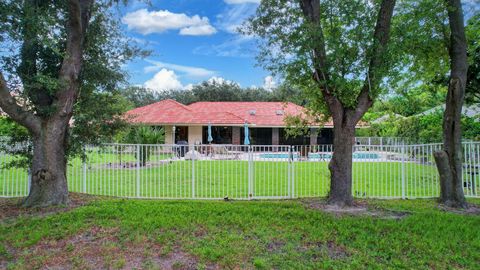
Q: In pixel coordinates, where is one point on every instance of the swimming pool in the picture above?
(360, 155)
(277, 155)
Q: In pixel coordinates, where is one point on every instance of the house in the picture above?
(227, 119)
(472, 110)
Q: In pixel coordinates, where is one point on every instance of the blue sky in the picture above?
(192, 41)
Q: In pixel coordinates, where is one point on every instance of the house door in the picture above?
(181, 134)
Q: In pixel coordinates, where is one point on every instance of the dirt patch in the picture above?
(275, 245)
(360, 208)
(473, 209)
(102, 248)
(11, 208)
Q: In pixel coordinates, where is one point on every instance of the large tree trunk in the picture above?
(49, 164)
(344, 118)
(449, 160)
(341, 166)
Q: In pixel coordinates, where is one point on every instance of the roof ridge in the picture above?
(177, 103)
(239, 117)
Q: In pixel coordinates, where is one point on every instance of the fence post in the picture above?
(138, 171)
(292, 174)
(193, 170)
(289, 173)
(250, 173)
(84, 177)
(403, 171)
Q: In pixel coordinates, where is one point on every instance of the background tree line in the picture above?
(214, 90)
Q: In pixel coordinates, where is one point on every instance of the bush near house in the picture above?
(143, 135)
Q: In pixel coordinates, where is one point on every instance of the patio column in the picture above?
(275, 136)
(169, 136)
(236, 135)
(313, 136)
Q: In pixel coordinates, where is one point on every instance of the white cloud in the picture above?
(229, 21)
(238, 46)
(195, 72)
(269, 83)
(148, 22)
(164, 80)
(200, 30)
(232, 18)
(236, 2)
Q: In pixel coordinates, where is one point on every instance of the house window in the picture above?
(220, 135)
(258, 136)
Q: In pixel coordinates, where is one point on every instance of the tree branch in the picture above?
(380, 41)
(79, 15)
(311, 11)
(16, 112)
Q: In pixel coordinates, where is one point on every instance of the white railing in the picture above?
(249, 172)
(381, 141)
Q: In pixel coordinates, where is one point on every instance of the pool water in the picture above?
(277, 155)
(355, 156)
(366, 155)
(320, 155)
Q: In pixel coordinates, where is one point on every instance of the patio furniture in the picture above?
(222, 152)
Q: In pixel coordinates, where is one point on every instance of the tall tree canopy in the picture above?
(214, 90)
(336, 51)
(60, 59)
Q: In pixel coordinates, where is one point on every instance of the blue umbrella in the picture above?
(210, 138)
(247, 139)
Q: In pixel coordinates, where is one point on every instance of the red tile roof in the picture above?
(267, 114)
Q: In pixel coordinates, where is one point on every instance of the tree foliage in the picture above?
(214, 91)
(32, 71)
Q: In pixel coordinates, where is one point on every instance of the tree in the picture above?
(449, 159)
(217, 89)
(337, 50)
(140, 96)
(69, 57)
(213, 90)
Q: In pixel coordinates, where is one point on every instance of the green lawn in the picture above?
(108, 174)
(287, 234)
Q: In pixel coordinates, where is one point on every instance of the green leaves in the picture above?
(290, 44)
(144, 135)
(33, 49)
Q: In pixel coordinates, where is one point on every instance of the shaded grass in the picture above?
(263, 235)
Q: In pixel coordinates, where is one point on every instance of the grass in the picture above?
(248, 235)
(108, 174)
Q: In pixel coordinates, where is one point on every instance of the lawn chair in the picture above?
(222, 152)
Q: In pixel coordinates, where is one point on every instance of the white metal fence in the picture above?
(249, 172)
(381, 141)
